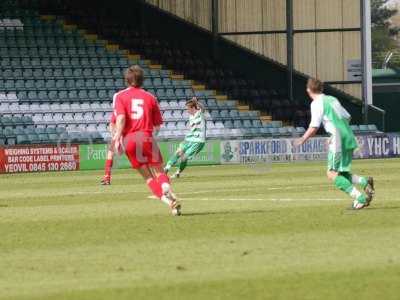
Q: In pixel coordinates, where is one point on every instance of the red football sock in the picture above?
(163, 178)
(155, 187)
(108, 167)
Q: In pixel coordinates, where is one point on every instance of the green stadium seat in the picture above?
(53, 96)
(50, 84)
(73, 95)
(83, 95)
(67, 72)
(116, 72)
(93, 94)
(60, 84)
(99, 83)
(40, 83)
(22, 139)
(109, 83)
(80, 83)
(44, 138)
(104, 72)
(372, 127)
(97, 72)
(89, 83)
(33, 138)
(27, 73)
(39, 73)
(43, 96)
(2, 138)
(22, 95)
(63, 95)
(53, 137)
(74, 61)
(77, 72)
(19, 84)
(32, 96)
(103, 94)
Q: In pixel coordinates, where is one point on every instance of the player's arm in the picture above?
(311, 131)
(157, 117)
(317, 113)
(120, 113)
(119, 127)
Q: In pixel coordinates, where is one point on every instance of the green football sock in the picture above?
(343, 184)
(182, 165)
(355, 179)
(361, 180)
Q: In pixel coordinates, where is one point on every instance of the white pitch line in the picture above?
(260, 199)
(252, 189)
(254, 199)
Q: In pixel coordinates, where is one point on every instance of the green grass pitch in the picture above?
(246, 233)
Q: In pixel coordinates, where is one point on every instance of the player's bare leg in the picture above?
(108, 167)
(166, 188)
(109, 161)
(158, 182)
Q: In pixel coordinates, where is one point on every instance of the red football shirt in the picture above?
(140, 108)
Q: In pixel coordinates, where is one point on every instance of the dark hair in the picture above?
(134, 76)
(195, 103)
(315, 85)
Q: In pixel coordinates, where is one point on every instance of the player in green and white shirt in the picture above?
(194, 141)
(335, 119)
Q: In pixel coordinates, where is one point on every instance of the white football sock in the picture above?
(355, 193)
(355, 179)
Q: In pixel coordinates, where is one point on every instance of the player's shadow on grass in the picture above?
(210, 213)
(350, 211)
(384, 208)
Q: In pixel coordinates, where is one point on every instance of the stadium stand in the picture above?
(57, 84)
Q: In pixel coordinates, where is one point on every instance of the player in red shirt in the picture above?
(110, 155)
(137, 116)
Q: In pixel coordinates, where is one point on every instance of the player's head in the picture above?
(193, 105)
(314, 87)
(134, 76)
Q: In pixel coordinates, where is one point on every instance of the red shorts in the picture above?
(142, 150)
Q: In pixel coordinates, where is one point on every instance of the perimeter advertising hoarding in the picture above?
(282, 150)
(39, 158)
(93, 156)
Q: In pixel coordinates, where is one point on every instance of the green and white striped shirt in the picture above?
(335, 119)
(197, 124)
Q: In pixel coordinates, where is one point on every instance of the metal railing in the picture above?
(382, 113)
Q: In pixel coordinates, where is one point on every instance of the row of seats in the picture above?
(65, 72)
(52, 138)
(66, 61)
(175, 121)
(89, 82)
(58, 84)
(37, 32)
(41, 53)
(370, 128)
(86, 93)
(173, 107)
